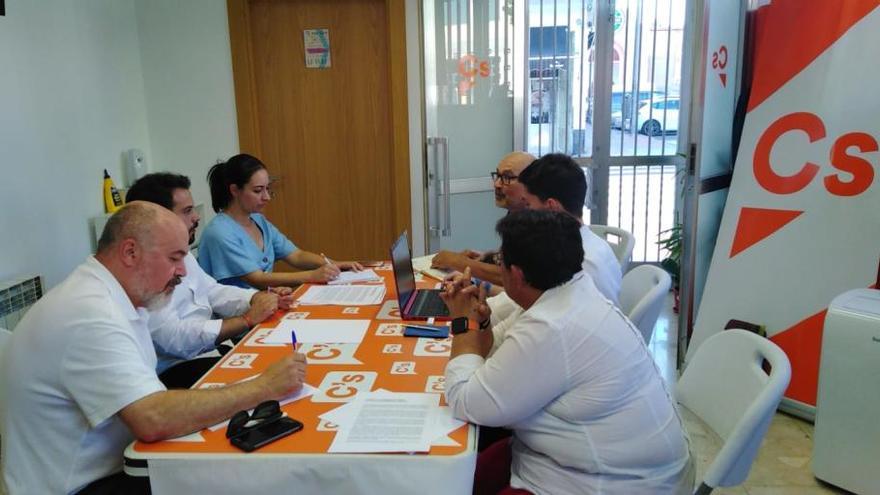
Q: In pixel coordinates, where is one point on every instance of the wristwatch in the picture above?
(459, 325)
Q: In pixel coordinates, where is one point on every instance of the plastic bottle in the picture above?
(112, 198)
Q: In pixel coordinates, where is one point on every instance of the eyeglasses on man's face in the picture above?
(505, 178)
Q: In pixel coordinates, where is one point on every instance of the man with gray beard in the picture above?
(80, 369)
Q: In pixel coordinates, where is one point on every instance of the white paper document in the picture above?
(317, 332)
(388, 422)
(343, 295)
(352, 277)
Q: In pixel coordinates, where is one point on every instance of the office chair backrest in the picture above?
(642, 292)
(621, 242)
(726, 386)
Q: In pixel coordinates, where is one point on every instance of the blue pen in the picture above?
(293, 339)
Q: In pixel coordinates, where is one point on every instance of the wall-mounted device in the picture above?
(135, 166)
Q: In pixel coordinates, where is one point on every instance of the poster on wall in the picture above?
(316, 43)
(802, 219)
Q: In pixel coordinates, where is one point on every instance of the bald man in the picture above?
(80, 375)
(509, 195)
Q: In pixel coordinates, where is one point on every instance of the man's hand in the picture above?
(285, 296)
(263, 305)
(465, 299)
(448, 260)
(285, 376)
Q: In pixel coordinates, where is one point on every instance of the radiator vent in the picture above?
(16, 296)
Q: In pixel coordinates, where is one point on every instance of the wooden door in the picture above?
(335, 139)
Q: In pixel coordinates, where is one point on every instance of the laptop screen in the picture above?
(404, 278)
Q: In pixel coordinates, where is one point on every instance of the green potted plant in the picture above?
(671, 242)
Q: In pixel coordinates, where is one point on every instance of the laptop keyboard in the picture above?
(428, 303)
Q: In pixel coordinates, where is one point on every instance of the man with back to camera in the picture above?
(187, 324)
(571, 376)
(555, 182)
(80, 378)
(509, 196)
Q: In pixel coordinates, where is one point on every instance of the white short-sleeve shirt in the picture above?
(187, 326)
(574, 381)
(80, 355)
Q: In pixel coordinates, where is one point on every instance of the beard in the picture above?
(192, 233)
(154, 301)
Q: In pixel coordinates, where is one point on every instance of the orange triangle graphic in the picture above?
(755, 224)
(723, 77)
(803, 343)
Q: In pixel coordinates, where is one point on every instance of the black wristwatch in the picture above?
(459, 325)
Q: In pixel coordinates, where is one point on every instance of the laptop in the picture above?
(415, 304)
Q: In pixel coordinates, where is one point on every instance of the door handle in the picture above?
(447, 228)
(433, 184)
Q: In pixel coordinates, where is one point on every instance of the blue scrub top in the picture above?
(226, 251)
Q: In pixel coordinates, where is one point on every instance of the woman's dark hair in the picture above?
(237, 170)
(546, 245)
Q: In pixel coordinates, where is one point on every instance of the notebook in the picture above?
(415, 304)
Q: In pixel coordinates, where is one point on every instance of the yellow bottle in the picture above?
(112, 198)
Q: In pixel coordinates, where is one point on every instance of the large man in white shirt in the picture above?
(202, 313)
(571, 376)
(80, 379)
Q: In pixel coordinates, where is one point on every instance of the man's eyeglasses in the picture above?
(504, 178)
(242, 421)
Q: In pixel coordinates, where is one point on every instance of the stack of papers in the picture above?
(384, 421)
(343, 295)
(351, 277)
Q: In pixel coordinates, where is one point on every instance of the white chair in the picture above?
(726, 386)
(642, 292)
(621, 242)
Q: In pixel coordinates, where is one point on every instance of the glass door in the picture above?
(470, 54)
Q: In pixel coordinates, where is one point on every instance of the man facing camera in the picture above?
(188, 326)
(80, 374)
(571, 376)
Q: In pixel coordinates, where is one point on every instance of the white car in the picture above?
(658, 117)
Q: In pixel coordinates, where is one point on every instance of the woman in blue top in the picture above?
(239, 246)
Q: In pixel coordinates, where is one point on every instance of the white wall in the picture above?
(187, 70)
(71, 100)
(81, 82)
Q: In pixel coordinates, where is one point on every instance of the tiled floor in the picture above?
(783, 463)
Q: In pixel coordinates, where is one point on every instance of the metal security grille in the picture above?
(604, 85)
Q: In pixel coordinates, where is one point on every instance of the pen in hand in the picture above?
(293, 339)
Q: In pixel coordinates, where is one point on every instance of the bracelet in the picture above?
(485, 323)
(246, 320)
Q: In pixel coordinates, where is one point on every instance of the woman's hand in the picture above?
(349, 265)
(323, 273)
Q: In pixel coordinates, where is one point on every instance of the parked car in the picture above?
(620, 104)
(658, 117)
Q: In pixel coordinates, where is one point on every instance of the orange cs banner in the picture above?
(802, 219)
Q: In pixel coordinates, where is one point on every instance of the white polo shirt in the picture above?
(187, 327)
(589, 411)
(80, 354)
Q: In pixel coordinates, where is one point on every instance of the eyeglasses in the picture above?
(242, 421)
(505, 178)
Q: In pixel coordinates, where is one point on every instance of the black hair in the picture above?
(157, 188)
(546, 245)
(237, 170)
(557, 176)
